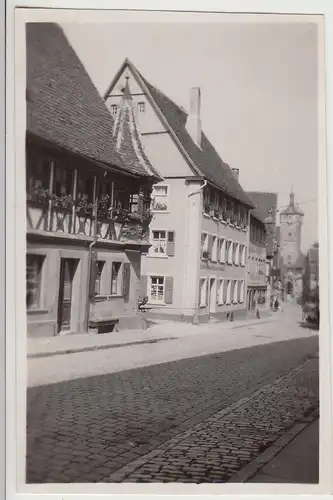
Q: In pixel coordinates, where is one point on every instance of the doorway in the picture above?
(68, 268)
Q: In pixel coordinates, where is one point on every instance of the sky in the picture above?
(258, 92)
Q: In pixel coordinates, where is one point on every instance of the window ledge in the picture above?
(158, 256)
(213, 260)
(101, 298)
(202, 306)
(223, 221)
(160, 211)
(227, 303)
(37, 311)
(206, 215)
(215, 218)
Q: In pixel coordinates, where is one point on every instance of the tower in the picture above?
(291, 220)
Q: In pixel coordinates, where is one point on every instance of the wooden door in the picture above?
(67, 271)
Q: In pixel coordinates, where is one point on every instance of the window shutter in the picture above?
(168, 290)
(143, 286)
(171, 244)
(126, 280)
(92, 276)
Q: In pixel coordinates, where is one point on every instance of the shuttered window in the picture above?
(163, 243)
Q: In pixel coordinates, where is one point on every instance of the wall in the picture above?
(209, 269)
(171, 220)
(44, 322)
(255, 278)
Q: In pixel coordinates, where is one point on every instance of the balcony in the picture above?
(52, 217)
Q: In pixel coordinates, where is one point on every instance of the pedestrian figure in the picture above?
(276, 305)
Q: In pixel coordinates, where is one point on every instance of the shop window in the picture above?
(34, 270)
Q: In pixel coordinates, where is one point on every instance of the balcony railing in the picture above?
(73, 219)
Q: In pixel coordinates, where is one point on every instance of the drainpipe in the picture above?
(91, 245)
(186, 227)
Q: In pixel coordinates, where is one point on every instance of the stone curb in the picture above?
(124, 471)
(100, 347)
(251, 469)
(95, 348)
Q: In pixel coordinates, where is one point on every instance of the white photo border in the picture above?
(15, 240)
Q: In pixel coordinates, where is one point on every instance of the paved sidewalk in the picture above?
(298, 462)
(72, 343)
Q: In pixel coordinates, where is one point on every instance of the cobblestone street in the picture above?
(88, 429)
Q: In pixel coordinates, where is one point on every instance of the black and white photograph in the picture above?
(172, 249)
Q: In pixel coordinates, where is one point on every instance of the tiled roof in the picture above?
(127, 136)
(63, 105)
(206, 160)
(265, 202)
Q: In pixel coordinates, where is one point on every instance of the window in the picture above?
(214, 249)
(228, 292)
(204, 245)
(241, 294)
(222, 250)
(160, 198)
(98, 279)
(203, 292)
(236, 254)
(230, 251)
(63, 181)
(156, 292)
(134, 203)
(114, 109)
(234, 293)
(34, 268)
(159, 243)
(141, 107)
(243, 256)
(220, 292)
(115, 278)
(38, 175)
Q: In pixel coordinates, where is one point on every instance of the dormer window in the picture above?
(114, 109)
(141, 107)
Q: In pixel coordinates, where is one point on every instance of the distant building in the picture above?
(291, 220)
(88, 197)
(311, 274)
(196, 266)
(256, 265)
(266, 206)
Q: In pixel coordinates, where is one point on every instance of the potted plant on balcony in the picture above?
(207, 208)
(39, 195)
(84, 208)
(65, 201)
(217, 213)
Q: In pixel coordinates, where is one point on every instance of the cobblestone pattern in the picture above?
(84, 430)
(219, 447)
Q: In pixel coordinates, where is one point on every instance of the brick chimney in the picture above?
(193, 122)
(235, 171)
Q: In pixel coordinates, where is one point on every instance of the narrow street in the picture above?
(213, 407)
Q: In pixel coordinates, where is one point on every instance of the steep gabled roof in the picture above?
(127, 137)
(205, 161)
(265, 202)
(63, 105)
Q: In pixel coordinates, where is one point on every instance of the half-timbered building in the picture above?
(88, 184)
